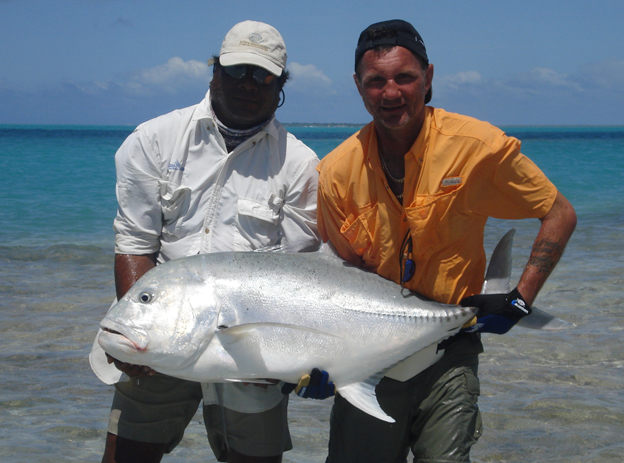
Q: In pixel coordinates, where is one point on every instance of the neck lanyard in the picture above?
(407, 265)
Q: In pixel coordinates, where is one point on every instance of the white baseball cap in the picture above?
(256, 43)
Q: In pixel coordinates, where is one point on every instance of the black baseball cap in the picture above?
(394, 32)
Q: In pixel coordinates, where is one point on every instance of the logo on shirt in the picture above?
(452, 181)
(176, 166)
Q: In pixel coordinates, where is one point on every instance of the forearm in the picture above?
(128, 270)
(556, 229)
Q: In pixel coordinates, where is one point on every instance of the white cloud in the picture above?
(548, 77)
(309, 79)
(174, 77)
(607, 76)
(171, 77)
(592, 95)
(540, 80)
(456, 80)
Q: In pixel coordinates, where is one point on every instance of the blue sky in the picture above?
(548, 62)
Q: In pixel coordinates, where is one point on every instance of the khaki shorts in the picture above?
(436, 415)
(159, 408)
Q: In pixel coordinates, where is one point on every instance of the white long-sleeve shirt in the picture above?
(181, 193)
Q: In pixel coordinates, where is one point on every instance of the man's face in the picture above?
(393, 86)
(242, 103)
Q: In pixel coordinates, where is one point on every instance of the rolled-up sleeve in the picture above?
(138, 223)
(330, 220)
(298, 226)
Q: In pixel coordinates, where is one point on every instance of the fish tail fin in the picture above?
(540, 320)
(497, 280)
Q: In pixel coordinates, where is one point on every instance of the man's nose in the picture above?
(248, 82)
(391, 90)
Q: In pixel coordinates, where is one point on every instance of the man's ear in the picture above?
(429, 75)
(357, 83)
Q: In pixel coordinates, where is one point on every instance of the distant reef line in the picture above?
(322, 124)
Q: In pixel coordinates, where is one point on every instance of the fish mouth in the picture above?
(129, 337)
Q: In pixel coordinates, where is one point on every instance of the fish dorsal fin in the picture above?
(362, 395)
(498, 275)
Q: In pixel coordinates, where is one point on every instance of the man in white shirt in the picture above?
(223, 175)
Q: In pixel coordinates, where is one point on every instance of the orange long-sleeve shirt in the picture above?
(459, 172)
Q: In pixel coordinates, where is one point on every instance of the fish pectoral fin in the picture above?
(251, 381)
(362, 395)
(250, 328)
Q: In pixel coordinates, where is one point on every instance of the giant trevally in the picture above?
(248, 316)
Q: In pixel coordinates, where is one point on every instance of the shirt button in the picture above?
(207, 230)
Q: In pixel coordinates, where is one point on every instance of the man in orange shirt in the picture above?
(408, 197)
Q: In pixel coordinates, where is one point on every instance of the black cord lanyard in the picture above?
(406, 270)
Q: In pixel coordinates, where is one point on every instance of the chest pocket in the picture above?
(174, 203)
(260, 211)
(257, 223)
(435, 221)
(361, 235)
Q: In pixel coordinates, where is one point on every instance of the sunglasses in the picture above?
(260, 75)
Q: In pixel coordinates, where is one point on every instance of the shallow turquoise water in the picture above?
(545, 397)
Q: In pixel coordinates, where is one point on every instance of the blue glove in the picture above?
(498, 313)
(316, 385)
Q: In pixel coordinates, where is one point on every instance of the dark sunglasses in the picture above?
(260, 75)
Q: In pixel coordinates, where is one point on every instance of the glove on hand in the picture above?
(498, 313)
(316, 385)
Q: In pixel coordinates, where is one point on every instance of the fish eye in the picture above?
(146, 297)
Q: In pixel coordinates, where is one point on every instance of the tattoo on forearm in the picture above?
(545, 255)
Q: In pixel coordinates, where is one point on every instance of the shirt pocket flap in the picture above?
(360, 234)
(252, 208)
(172, 199)
(435, 220)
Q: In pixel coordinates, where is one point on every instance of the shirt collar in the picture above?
(421, 144)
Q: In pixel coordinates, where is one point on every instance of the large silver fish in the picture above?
(247, 316)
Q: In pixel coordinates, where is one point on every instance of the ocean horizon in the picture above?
(545, 396)
(296, 124)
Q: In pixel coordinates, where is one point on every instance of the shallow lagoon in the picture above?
(553, 397)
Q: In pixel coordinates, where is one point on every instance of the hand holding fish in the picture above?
(313, 386)
(134, 371)
(498, 313)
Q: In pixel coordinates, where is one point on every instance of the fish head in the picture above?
(165, 321)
